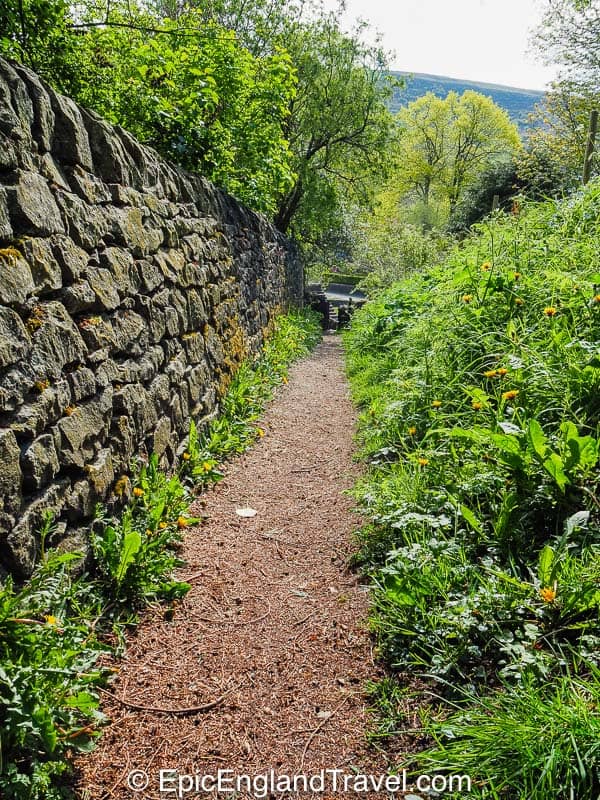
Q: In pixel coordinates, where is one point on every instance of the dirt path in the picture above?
(275, 620)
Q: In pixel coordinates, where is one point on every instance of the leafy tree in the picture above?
(38, 34)
(569, 35)
(499, 179)
(446, 144)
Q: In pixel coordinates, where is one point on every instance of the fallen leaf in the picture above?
(246, 512)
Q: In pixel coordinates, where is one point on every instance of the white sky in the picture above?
(480, 40)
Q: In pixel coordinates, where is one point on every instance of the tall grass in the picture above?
(479, 387)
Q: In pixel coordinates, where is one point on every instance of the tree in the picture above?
(445, 144)
(569, 35)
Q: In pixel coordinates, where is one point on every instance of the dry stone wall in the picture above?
(129, 293)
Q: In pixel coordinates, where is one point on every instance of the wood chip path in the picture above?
(266, 659)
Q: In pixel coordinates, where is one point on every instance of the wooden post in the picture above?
(496, 202)
(589, 148)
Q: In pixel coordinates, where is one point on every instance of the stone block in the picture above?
(15, 340)
(70, 143)
(39, 463)
(10, 472)
(32, 207)
(45, 269)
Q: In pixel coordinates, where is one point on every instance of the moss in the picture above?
(36, 319)
(9, 256)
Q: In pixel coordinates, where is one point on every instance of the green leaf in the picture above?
(470, 517)
(537, 439)
(131, 545)
(554, 467)
(545, 565)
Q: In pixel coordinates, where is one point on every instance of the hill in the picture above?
(517, 102)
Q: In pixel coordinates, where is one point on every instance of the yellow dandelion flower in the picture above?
(422, 462)
(186, 456)
(412, 430)
(486, 266)
(182, 522)
(206, 466)
(51, 620)
(476, 405)
(502, 371)
(548, 594)
(162, 525)
(516, 275)
(436, 404)
(510, 395)
(260, 432)
(284, 379)
(467, 298)
(149, 532)
(597, 298)
(550, 311)
(491, 373)
(138, 492)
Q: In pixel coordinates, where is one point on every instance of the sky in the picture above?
(480, 40)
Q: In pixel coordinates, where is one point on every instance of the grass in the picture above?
(478, 383)
(54, 630)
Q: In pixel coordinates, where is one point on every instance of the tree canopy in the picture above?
(444, 144)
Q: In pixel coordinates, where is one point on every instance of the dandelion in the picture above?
(597, 298)
(510, 395)
(284, 379)
(412, 430)
(260, 432)
(550, 311)
(502, 371)
(186, 456)
(206, 466)
(436, 404)
(476, 405)
(491, 373)
(467, 298)
(51, 620)
(486, 266)
(516, 275)
(137, 492)
(182, 522)
(548, 594)
(162, 525)
(422, 462)
(149, 532)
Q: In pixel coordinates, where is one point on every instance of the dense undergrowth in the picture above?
(54, 630)
(480, 388)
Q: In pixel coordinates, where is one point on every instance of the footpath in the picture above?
(257, 677)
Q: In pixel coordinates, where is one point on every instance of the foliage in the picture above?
(388, 245)
(568, 36)
(552, 159)
(445, 144)
(477, 201)
(536, 740)
(479, 385)
(339, 126)
(38, 34)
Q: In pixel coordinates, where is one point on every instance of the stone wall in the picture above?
(129, 293)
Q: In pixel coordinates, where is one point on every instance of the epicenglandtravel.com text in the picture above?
(172, 783)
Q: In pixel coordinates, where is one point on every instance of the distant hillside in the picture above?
(517, 102)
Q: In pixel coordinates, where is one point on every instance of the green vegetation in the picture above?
(54, 630)
(518, 103)
(271, 101)
(479, 382)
